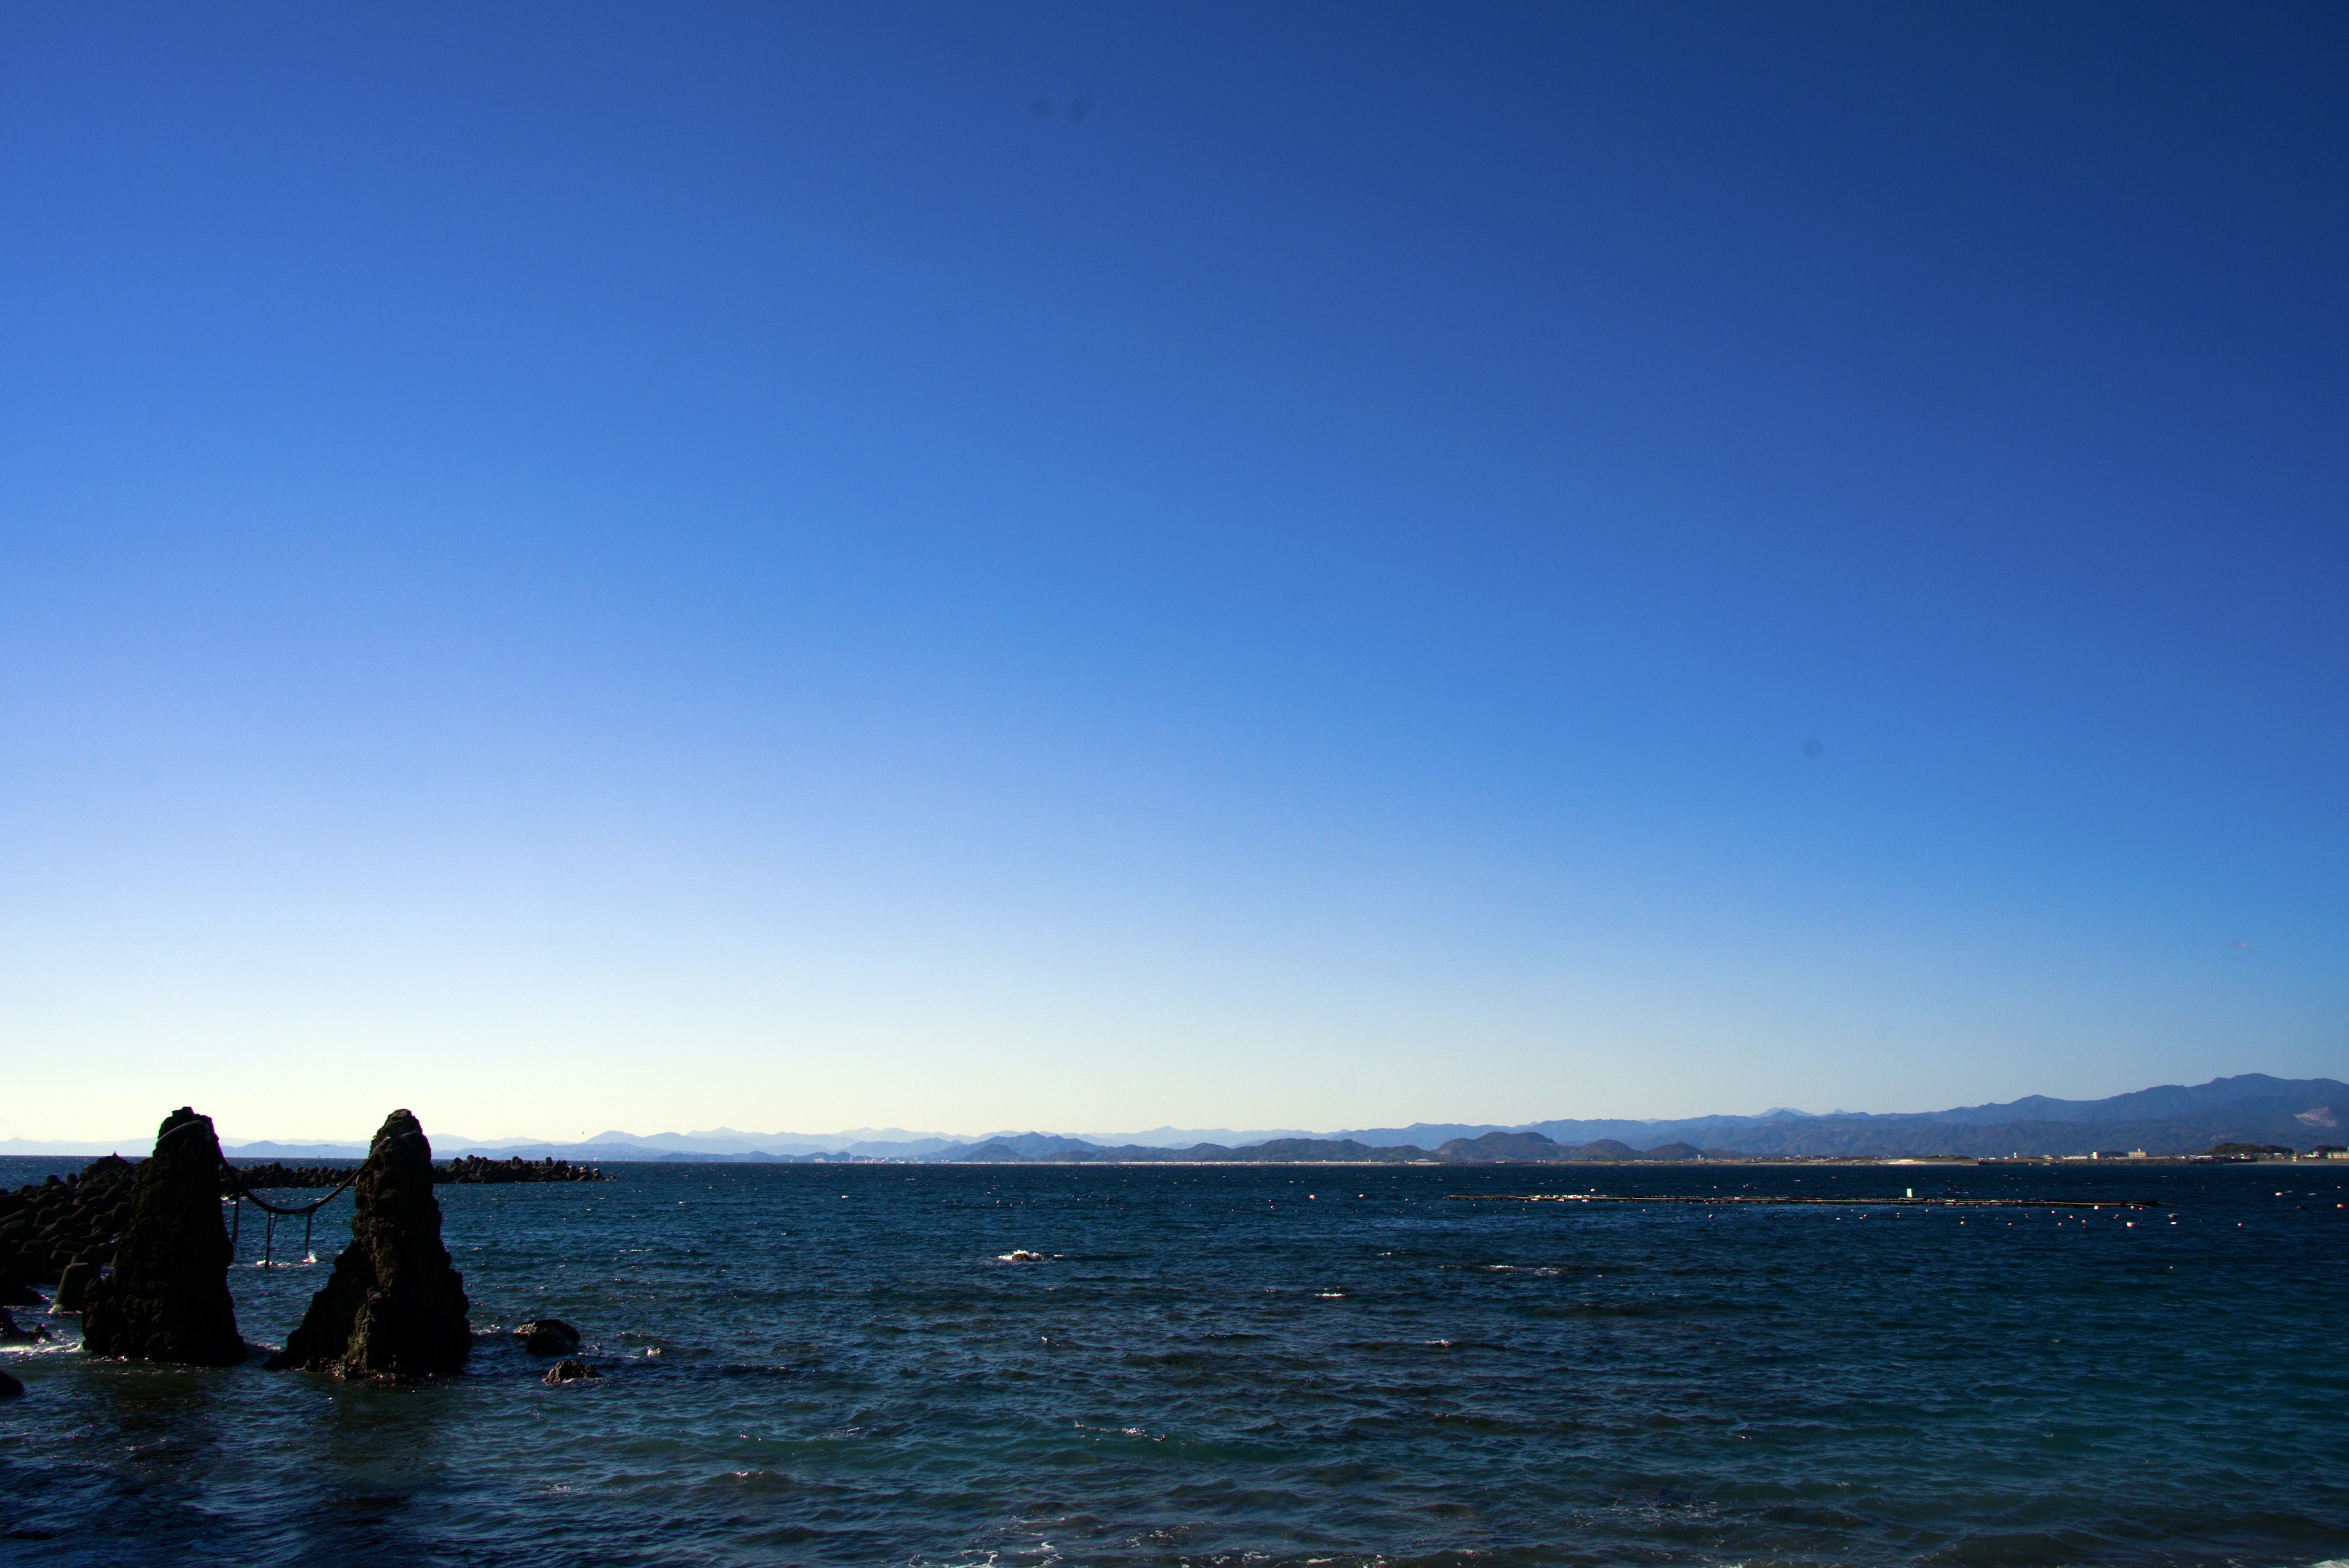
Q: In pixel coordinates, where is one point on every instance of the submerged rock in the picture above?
(9, 1386)
(569, 1370)
(548, 1336)
(167, 1299)
(11, 1334)
(394, 1307)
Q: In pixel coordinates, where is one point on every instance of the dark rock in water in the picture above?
(11, 1334)
(74, 1287)
(394, 1307)
(474, 1168)
(9, 1388)
(50, 1223)
(548, 1336)
(470, 1169)
(569, 1371)
(167, 1299)
(235, 1178)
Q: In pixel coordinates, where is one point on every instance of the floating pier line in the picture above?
(1773, 1202)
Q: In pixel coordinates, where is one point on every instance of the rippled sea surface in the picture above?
(1268, 1365)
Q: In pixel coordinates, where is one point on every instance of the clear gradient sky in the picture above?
(995, 566)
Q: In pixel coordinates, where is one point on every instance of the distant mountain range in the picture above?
(2294, 1113)
(2252, 1107)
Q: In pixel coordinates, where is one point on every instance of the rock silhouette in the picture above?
(548, 1336)
(11, 1334)
(394, 1307)
(47, 1226)
(72, 1285)
(167, 1299)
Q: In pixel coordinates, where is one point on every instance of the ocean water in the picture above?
(1328, 1366)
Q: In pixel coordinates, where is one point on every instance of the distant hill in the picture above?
(2314, 1113)
(1307, 1150)
(2251, 1107)
(2171, 1118)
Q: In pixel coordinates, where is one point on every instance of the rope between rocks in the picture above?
(239, 1189)
(242, 1191)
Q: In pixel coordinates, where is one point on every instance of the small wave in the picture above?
(56, 1343)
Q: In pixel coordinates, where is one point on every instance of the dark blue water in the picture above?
(1271, 1364)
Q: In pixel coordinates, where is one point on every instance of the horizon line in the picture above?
(870, 1135)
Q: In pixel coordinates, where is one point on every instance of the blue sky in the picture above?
(1088, 568)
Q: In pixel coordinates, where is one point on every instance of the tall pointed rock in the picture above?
(394, 1307)
(167, 1299)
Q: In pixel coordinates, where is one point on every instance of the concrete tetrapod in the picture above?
(394, 1307)
(167, 1299)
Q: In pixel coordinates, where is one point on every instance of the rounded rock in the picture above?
(548, 1336)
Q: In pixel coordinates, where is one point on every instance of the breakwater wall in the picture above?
(471, 1169)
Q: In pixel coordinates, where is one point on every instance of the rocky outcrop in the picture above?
(73, 1286)
(474, 1167)
(273, 1176)
(47, 1226)
(569, 1371)
(9, 1388)
(393, 1307)
(167, 1299)
(548, 1336)
(467, 1170)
